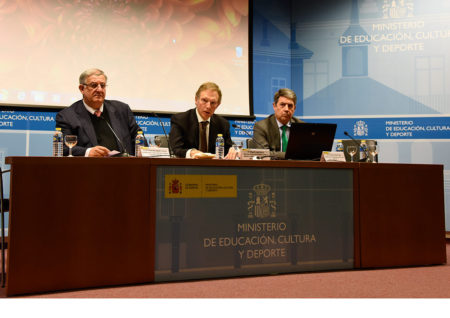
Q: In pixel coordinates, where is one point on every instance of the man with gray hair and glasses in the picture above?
(273, 132)
(103, 127)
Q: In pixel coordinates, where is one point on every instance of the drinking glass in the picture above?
(373, 150)
(70, 141)
(238, 145)
(351, 150)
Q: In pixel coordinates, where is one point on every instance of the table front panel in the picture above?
(230, 221)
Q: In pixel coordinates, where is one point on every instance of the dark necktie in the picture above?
(203, 141)
(284, 139)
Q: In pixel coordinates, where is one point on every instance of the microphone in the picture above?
(251, 137)
(358, 146)
(165, 134)
(125, 153)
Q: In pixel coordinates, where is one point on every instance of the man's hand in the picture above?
(99, 151)
(193, 152)
(231, 154)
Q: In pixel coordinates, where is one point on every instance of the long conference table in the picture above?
(91, 222)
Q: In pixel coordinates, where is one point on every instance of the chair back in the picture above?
(251, 144)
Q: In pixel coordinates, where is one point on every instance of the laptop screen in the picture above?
(308, 140)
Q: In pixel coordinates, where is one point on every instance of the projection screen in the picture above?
(155, 53)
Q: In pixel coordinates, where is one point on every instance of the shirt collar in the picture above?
(280, 125)
(199, 118)
(90, 109)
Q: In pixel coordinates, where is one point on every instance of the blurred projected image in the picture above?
(156, 52)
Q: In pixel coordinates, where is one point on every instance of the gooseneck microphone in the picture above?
(358, 146)
(165, 134)
(125, 153)
(259, 144)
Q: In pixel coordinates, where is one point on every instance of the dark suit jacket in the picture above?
(184, 133)
(76, 120)
(267, 133)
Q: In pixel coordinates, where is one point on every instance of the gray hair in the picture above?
(285, 92)
(89, 72)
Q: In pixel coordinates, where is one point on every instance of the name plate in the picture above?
(155, 152)
(332, 156)
(255, 154)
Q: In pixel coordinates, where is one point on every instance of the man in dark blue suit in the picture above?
(88, 119)
(187, 127)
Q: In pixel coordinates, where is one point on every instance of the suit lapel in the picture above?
(213, 131)
(86, 123)
(274, 131)
(194, 133)
(295, 120)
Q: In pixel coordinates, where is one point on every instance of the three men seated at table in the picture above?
(105, 127)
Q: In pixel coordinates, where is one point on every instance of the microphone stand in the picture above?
(125, 153)
(165, 134)
(251, 137)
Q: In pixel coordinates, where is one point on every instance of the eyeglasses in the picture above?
(95, 85)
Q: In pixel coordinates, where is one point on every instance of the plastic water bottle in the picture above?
(57, 143)
(339, 146)
(140, 142)
(362, 150)
(220, 147)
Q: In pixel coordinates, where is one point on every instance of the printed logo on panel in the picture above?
(261, 202)
(360, 129)
(178, 186)
(396, 9)
(175, 187)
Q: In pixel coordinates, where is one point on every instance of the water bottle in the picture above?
(220, 147)
(377, 152)
(140, 142)
(362, 151)
(57, 143)
(339, 146)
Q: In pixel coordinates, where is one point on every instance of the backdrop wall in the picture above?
(377, 68)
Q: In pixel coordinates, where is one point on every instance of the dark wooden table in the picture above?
(90, 222)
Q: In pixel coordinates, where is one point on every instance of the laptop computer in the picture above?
(308, 140)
